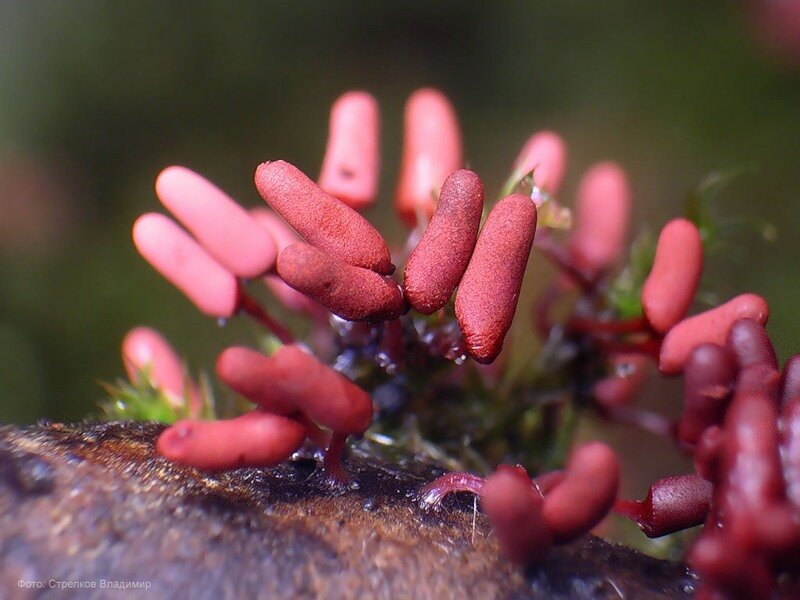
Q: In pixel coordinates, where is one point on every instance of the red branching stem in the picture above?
(314, 432)
(649, 346)
(255, 310)
(541, 315)
(586, 325)
(332, 463)
(559, 256)
(432, 494)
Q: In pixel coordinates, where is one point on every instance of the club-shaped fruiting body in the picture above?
(487, 296)
(790, 449)
(514, 508)
(223, 227)
(628, 373)
(708, 380)
(350, 292)
(585, 495)
(544, 153)
(672, 504)
(748, 341)
(790, 379)
(710, 326)
(327, 397)
(322, 220)
(284, 236)
(181, 260)
(352, 159)
(601, 215)
(256, 439)
(671, 285)
(431, 151)
(251, 374)
(440, 258)
(146, 352)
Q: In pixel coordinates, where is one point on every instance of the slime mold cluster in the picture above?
(406, 344)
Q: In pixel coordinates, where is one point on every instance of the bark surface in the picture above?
(94, 503)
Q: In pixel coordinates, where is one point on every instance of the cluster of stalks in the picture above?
(427, 345)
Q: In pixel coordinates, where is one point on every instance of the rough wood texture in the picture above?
(93, 503)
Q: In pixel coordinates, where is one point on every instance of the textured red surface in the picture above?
(321, 219)
(673, 280)
(350, 292)
(489, 291)
(255, 439)
(585, 495)
(438, 262)
(710, 326)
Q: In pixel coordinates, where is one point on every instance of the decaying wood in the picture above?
(94, 503)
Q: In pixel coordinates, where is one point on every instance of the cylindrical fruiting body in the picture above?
(545, 153)
(431, 151)
(325, 395)
(322, 220)
(760, 377)
(442, 254)
(790, 379)
(586, 493)
(352, 158)
(750, 344)
(602, 214)
(710, 326)
(708, 380)
(628, 373)
(225, 229)
(707, 453)
(350, 292)
(251, 374)
(751, 464)
(514, 509)
(256, 439)
(146, 352)
(671, 285)
(790, 449)
(672, 504)
(181, 260)
(284, 236)
(488, 293)
(729, 571)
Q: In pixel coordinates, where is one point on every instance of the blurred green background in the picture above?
(97, 97)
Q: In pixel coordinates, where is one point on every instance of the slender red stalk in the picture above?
(432, 494)
(255, 310)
